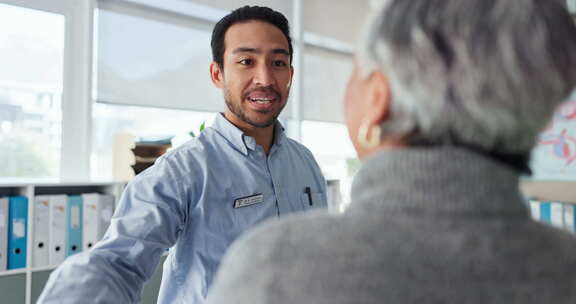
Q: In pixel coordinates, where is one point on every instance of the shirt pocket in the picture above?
(313, 200)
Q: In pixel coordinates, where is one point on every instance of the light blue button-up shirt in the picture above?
(195, 200)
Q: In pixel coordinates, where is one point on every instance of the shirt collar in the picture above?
(241, 141)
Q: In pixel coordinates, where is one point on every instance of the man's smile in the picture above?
(263, 100)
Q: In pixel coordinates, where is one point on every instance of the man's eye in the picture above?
(245, 61)
(279, 63)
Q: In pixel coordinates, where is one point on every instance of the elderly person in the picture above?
(444, 106)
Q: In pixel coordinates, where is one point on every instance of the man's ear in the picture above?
(379, 98)
(291, 78)
(216, 74)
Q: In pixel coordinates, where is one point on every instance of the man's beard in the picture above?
(237, 110)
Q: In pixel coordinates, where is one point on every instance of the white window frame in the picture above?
(77, 82)
(78, 95)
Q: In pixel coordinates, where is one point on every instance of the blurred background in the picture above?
(77, 74)
(82, 79)
(84, 83)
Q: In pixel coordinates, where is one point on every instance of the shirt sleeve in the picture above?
(149, 219)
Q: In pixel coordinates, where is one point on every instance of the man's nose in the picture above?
(263, 76)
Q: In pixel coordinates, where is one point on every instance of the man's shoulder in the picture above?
(293, 143)
(194, 147)
(187, 157)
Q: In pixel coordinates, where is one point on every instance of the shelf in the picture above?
(45, 268)
(13, 272)
(32, 279)
(48, 182)
(556, 191)
(24, 270)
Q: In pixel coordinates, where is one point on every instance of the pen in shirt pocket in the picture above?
(308, 191)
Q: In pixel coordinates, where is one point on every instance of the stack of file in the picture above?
(65, 225)
(560, 215)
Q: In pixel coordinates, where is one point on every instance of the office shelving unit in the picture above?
(560, 191)
(25, 285)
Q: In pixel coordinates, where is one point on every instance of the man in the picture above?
(200, 197)
(444, 106)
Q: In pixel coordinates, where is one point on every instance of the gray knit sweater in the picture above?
(438, 225)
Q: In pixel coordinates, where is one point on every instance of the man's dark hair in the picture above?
(244, 14)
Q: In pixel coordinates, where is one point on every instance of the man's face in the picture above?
(257, 73)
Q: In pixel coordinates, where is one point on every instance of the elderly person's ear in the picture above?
(378, 98)
(367, 106)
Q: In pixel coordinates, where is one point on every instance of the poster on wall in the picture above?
(554, 157)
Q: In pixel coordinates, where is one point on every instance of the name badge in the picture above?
(249, 200)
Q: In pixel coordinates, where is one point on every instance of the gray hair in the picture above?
(484, 73)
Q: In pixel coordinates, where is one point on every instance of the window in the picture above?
(111, 120)
(153, 62)
(335, 153)
(31, 77)
(325, 77)
(326, 74)
(152, 79)
(335, 20)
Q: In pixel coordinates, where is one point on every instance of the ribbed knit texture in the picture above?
(440, 225)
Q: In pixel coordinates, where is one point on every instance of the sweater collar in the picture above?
(437, 179)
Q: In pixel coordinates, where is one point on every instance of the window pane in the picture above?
(146, 62)
(283, 6)
(31, 57)
(325, 77)
(112, 120)
(335, 153)
(338, 20)
(216, 9)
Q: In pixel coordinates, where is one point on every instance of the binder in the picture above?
(97, 212)
(545, 212)
(3, 233)
(57, 219)
(557, 215)
(73, 225)
(90, 219)
(41, 227)
(535, 210)
(569, 220)
(17, 226)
